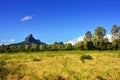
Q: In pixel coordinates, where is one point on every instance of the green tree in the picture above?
(115, 32)
(88, 36)
(27, 47)
(19, 48)
(116, 44)
(48, 47)
(4, 48)
(13, 48)
(56, 46)
(79, 45)
(88, 44)
(115, 36)
(99, 32)
(68, 46)
(34, 46)
(42, 47)
(98, 40)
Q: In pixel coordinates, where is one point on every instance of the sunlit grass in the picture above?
(61, 65)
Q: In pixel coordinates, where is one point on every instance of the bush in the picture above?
(36, 59)
(2, 63)
(100, 78)
(83, 57)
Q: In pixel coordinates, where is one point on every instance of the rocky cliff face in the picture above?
(30, 39)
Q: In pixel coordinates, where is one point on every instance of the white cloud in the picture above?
(7, 41)
(109, 36)
(11, 40)
(26, 18)
(76, 40)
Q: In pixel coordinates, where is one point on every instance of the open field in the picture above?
(60, 65)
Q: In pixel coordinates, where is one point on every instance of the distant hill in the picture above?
(30, 40)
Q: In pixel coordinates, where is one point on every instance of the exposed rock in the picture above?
(61, 43)
(30, 39)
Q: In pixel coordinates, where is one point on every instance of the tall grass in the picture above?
(60, 65)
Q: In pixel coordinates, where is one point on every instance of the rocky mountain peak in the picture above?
(30, 39)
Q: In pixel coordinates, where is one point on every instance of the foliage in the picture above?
(36, 59)
(100, 32)
(83, 57)
(115, 32)
(88, 36)
(79, 45)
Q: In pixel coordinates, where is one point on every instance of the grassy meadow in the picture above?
(60, 65)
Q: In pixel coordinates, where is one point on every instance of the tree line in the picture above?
(96, 41)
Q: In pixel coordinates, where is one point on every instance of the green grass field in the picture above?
(60, 65)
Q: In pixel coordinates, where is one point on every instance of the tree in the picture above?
(48, 47)
(34, 46)
(79, 45)
(115, 32)
(98, 39)
(88, 36)
(68, 46)
(99, 32)
(4, 48)
(106, 44)
(27, 47)
(42, 47)
(13, 48)
(88, 44)
(19, 48)
(116, 44)
(56, 46)
(115, 36)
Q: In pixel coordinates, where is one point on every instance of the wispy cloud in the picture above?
(3, 41)
(26, 18)
(7, 41)
(11, 40)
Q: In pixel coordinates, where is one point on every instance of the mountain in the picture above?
(29, 40)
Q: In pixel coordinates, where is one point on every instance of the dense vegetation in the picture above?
(98, 41)
(61, 65)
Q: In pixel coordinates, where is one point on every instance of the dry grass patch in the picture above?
(61, 65)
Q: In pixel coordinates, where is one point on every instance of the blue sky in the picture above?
(55, 20)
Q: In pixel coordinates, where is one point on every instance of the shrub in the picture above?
(2, 63)
(100, 78)
(36, 59)
(83, 57)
